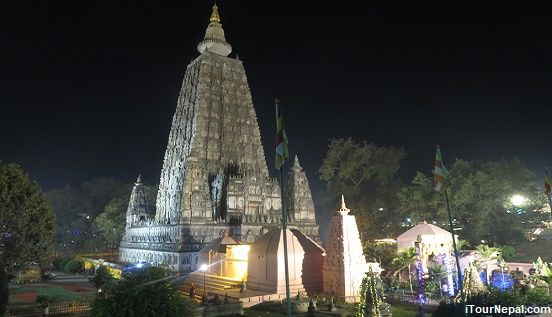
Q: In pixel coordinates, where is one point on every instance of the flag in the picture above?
(547, 183)
(282, 153)
(439, 173)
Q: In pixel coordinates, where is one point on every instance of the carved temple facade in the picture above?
(214, 174)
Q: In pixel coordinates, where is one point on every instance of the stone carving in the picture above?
(214, 174)
(216, 193)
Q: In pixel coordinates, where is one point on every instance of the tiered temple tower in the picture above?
(214, 174)
(344, 264)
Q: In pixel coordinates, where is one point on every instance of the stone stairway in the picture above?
(213, 283)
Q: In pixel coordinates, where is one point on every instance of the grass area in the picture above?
(403, 310)
(57, 292)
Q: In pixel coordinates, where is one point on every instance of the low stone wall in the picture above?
(216, 310)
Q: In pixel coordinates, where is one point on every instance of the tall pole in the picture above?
(460, 288)
(421, 286)
(284, 237)
(547, 190)
(550, 204)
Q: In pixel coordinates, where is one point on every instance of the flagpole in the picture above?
(460, 286)
(279, 129)
(439, 184)
(547, 189)
(550, 204)
(284, 235)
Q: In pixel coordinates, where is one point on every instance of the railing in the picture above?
(413, 299)
(54, 309)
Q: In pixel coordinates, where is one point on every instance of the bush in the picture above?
(144, 292)
(103, 276)
(74, 266)
(44, 300)
(59, 263)
(507, 252)
(538, 296)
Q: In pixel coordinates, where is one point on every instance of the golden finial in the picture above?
(215, 15)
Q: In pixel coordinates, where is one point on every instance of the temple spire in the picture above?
(215, 15)
(214, 40)
(296, 165)
(343, 210)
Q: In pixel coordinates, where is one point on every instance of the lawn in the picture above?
(57, 292)
(404, 310)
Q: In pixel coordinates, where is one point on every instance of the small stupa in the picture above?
(344, 264)
(266, 263)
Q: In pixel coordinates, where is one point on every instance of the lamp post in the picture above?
(518, 201)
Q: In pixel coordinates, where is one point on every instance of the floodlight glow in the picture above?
(139, 265)
(517, 200)
(203, 267)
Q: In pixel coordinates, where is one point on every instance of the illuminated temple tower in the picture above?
(344, 263)
(214, 174)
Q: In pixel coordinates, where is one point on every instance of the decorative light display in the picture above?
(420, 273)
(502, 281)
(450, 277)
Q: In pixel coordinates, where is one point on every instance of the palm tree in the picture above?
(438, 271)
(487, 254)
(404, 260)
(461, 244)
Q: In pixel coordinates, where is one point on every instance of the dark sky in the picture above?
(88, 88)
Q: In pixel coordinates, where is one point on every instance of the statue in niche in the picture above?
(216, 192)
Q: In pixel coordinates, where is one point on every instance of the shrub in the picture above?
(538, 296)
(59, 263)
(507, 252)
(144, 292)
(103, 276)
(44, 300)
(74, 266)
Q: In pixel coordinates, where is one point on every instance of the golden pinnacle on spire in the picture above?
(215, 15)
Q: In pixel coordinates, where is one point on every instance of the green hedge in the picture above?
(74, 266)
(59, 263)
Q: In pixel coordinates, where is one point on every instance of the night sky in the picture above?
(88, 88)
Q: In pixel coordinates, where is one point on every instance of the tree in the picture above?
(404, 260)
(365, 174)
(462, 244)
(111, 222)
(372, 299)
(437, 272)
(487, 254)
(381, 252)
(480, 199)
(144, 292)
(77, 208)
(27, 221)
(472, 282)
